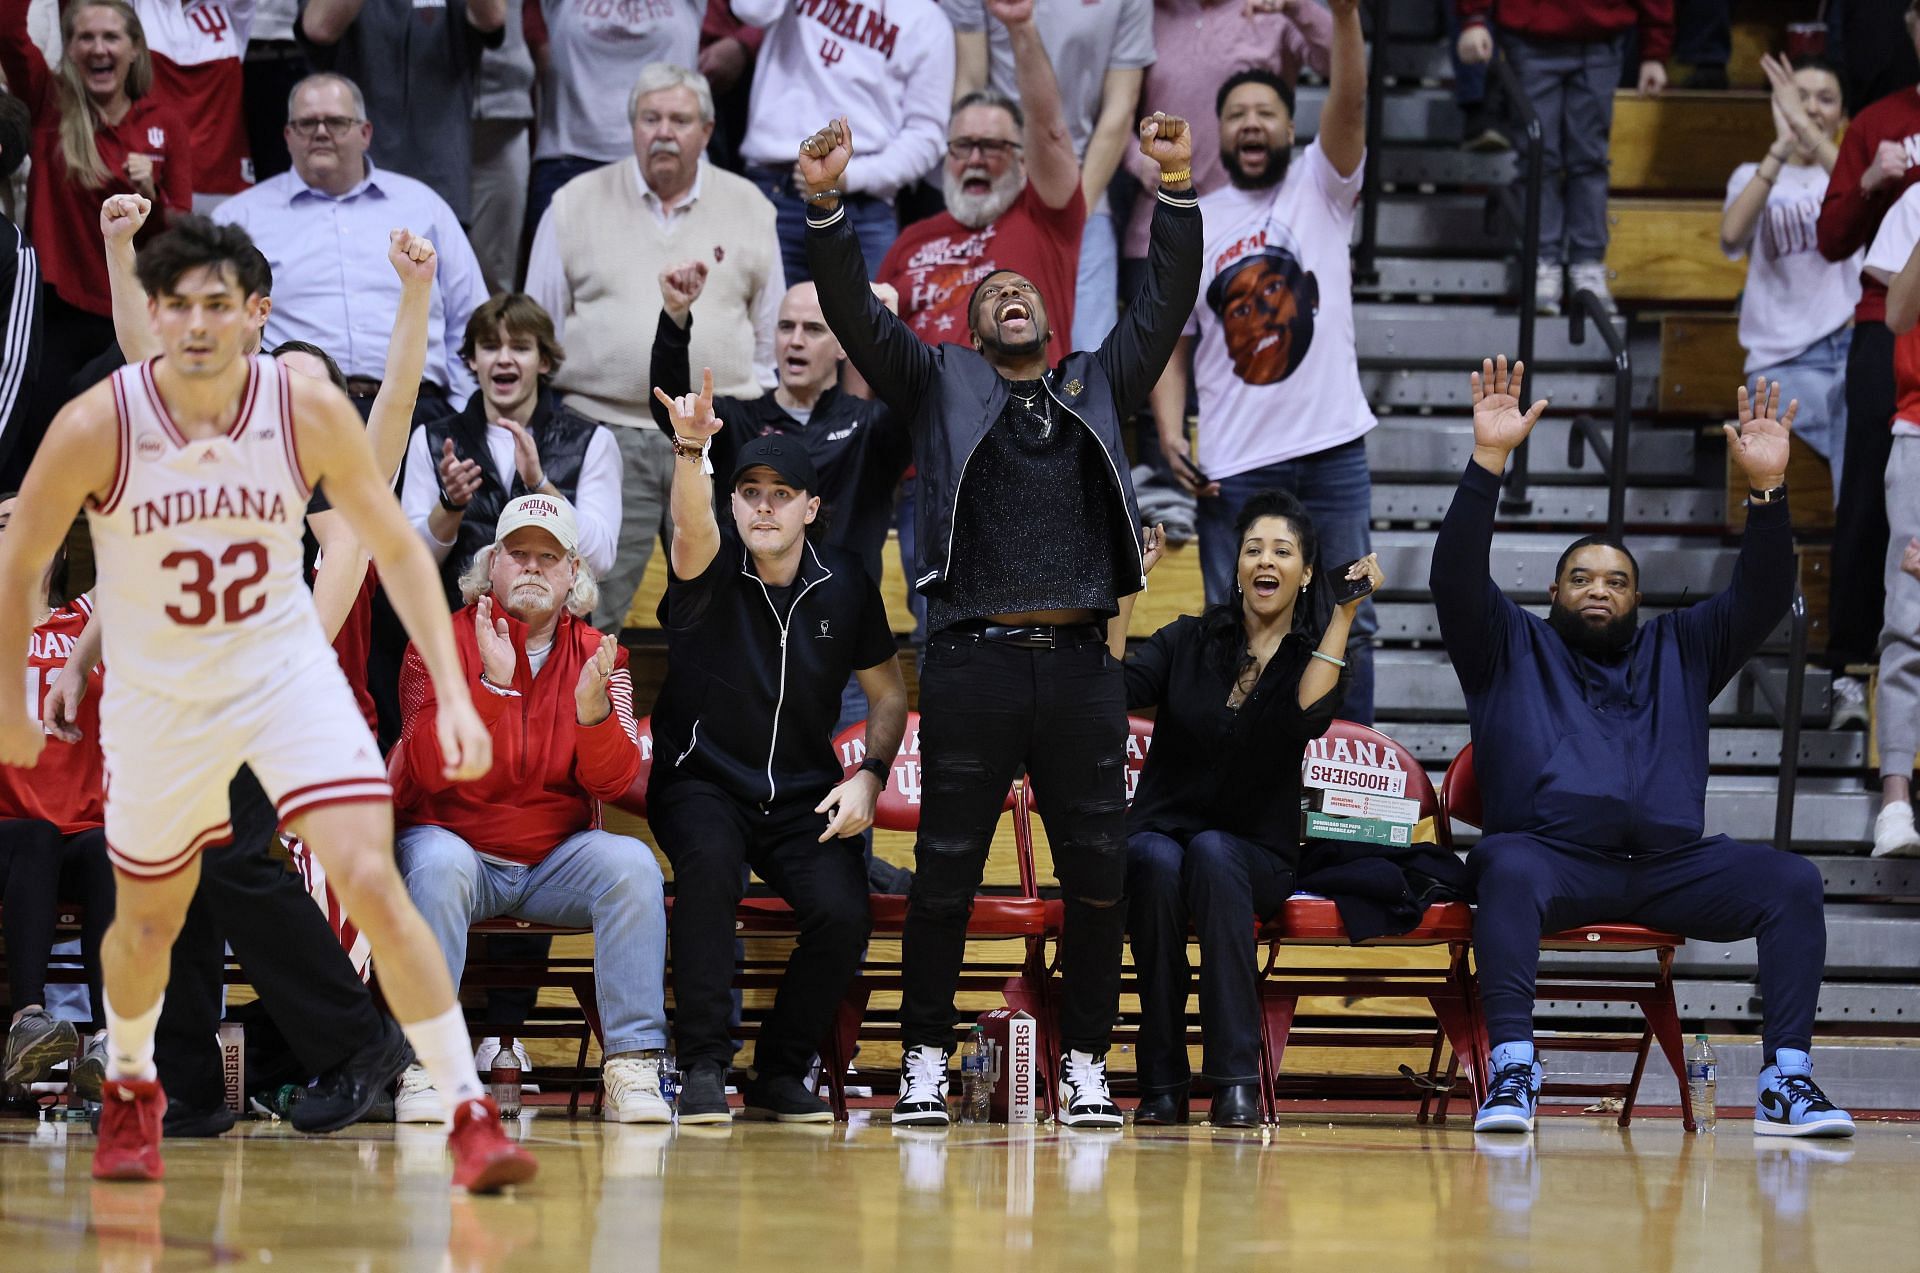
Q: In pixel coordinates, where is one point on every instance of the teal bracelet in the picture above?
(1328, 658)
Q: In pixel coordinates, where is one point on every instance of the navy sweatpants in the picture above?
(1714, 890)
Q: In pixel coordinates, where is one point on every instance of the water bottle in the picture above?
(976, 1090)
(1703, 1070)
(503, 1080)
(669, 1078)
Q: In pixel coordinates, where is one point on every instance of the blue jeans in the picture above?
(1096, 291)
(1571, 84)
(1469, 82)
(1817, 376)
(873, 221)
(592, 879)
(1337, 489)
(549, 175)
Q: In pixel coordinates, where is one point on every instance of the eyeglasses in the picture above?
(989, 147)
(335, 125)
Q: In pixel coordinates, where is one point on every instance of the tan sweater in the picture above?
(614, 249)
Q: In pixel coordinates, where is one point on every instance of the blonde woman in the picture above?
(97, 131)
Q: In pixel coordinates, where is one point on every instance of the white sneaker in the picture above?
(418, 1100)
(633, 1091)
(923, 1089)
(1548, 286)
(1084, 1098)
(1849, 703)
(490, 1048)
(1894, 835)
(1591, 276)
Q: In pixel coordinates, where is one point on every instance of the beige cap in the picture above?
(546, 512)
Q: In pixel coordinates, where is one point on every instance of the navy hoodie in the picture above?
(1607, 754)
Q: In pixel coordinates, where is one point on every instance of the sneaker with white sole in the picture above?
(1849, 697)
(1894, 835)
(1084, 1098)
(633, 1090)
(1791, 1104)
(1549, 285)
(418, 1100)
(923, 1088)
(1591, 276)
(1515, 1092)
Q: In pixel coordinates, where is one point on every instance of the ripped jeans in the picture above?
(988, 711)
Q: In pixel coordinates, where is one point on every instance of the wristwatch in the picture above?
(879, 768)
(1772, 495)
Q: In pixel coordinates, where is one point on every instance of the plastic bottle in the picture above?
(503, 1080)
(975, 1085)
(1703, 1071)
(669, 1078)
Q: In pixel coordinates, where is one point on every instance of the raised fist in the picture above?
(680, 287)
(1167, 141)
(122, 215)
(412, 257)
(824, 156)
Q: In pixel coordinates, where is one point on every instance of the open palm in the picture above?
(1498, 422)
(1759, 445)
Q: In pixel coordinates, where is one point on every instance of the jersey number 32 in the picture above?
(243, 564)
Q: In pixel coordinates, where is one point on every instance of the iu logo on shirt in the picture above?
(210, 20)
(157, 138)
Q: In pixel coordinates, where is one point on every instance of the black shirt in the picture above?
(1034, 529)
(753, 679)
(1216, 768)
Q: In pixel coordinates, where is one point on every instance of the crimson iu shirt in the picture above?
(936, 263)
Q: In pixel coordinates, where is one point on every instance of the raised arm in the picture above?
(1053, 168)
(1343, 120)
(680, 287)
(28, 77)
(1790, 118)
(325, 21)
(1865, 179)
(1136, 352)
(880, 346)
(1322, 675)
(1475, 616)
(341, 569)
(391, 418)
(121, 217)
(696, 530)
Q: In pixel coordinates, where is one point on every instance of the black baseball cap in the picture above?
(785, 456)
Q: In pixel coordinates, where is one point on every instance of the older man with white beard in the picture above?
(524, 839)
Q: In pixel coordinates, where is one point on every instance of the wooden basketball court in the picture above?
(1357, 1192)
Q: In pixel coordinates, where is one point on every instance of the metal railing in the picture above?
(1365, 256)
(1524, 219)
(1611, 453)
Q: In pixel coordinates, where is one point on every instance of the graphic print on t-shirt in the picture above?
(1265, 300)
(938, 270)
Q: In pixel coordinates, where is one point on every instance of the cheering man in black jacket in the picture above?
(1029, 532)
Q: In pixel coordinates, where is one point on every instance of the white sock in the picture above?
(130, 1041)
(441, 1044)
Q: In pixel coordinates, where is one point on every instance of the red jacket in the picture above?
(67, 786)
(1850, 216)
(549, 771)
(1580, 20)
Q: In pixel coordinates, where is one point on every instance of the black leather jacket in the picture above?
(953, 396)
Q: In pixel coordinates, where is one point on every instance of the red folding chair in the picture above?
(1305, 920)
(1652, 991)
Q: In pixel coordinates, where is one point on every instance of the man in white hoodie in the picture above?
(887, 65)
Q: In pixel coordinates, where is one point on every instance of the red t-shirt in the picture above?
(67, 786)
(936, 263)
(64, 216)
(199, 69)
(1850, 216)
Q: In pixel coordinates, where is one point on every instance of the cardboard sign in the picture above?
(1015, 1040)
(233, 1065)
(1354, 804)
(1322, 826)
(1364, 779)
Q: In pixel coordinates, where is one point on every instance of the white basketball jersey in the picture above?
(198, 548)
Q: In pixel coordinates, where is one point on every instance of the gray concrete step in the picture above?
(1442, 166)
(1409, 114)
(1413, 622)
(1858, 1074)
(1558, 505)
(1672, 568)
(1437, 277)
(1407, 388)
(1866, 941)
(1437, 448)
(1402, 333)
(1831, 816)
(1436, 742)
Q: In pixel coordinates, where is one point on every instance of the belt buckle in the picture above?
(1041, 636)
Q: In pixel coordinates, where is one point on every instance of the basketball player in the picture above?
(194, 469)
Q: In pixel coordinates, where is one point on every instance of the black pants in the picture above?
(1220, 884)
(250, 900)
(987, 709)
(709, 837)
(41, 866)
(1714, 890)
(1860, 517)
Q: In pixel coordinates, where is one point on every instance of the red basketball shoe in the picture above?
(130, 1114)
(484, 1160)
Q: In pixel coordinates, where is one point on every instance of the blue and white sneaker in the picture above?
(1792, 1104)
(1515, 1092)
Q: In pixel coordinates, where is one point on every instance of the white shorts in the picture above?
(169, 761)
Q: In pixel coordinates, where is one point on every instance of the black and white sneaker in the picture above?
(1084, 1098)
(923, 1089)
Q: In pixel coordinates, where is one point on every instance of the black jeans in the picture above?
(1221, 884)
(1860, 516)
(40, 866)
(987, 709)
(709, 837)
(250, 900)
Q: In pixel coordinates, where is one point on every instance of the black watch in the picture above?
(879, 768)
(1772, 495)
(449, 505)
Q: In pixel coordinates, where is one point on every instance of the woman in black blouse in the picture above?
(1214, 829)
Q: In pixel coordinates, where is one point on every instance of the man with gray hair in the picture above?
(596, 265)
(323, 227)
(524, 839)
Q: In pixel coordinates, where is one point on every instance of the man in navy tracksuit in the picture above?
(1590, 746)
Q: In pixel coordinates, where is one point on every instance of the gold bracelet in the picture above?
(1175, 178)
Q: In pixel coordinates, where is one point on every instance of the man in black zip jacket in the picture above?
(1029, 532)
(1590, 751)
(763, 627)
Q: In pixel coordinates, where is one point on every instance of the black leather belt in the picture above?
(1034, 636)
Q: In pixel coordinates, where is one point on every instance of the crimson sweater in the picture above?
(64, 216)
(549, 771)
(1850, 216)
(1580, 20)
